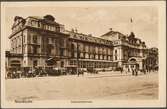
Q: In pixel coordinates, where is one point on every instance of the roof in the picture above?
(44, 20)
(36, 17)
(111, 32)
(89, 38)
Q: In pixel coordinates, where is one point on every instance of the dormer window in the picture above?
(39, 24)
(119, 37)
(49, 18)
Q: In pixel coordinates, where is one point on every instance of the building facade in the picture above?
(35, 41)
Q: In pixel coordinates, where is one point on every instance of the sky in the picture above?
(95, 20)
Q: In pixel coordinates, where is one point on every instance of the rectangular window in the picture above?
(33, 23)
(54, 28)
(39, 24)
(44, 26)
(47, 27)
(57, 29)
(29, 49)
(103, 57)
(15, 43)
(35, 50)
(111, 58)
(61, 42)
(49, 50)
(24, 38)
(61, 52)
(83, 48)
(107, 57)
(115, 57)
(35, 39)
(24, 49)
(50, 40)
(71, 62)
(99, 56)
(115, 51)
(11, 43)
(55, 41)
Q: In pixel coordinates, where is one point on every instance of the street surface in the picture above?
(102, 86)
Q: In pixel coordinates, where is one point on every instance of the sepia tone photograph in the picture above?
(64, 54)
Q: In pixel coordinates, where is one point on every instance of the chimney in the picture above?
(90, 35)
(72, 30)
(76, 30)
(110, 29)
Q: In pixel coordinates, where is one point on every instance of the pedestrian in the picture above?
(136, 72)
(144, 71)
(19, 73)
(78, 72)
(121, 69)
(132, 71)
(128, 70)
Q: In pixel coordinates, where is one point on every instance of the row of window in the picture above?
(17, 50)
(16, 42)
(86, 64)
(91, 49)
(92, 39)
(35, 40)
(81, 47)
(33, 49)
(39, 24)
(61, 51)
(32, 39)
(134, 52)
(84, 55)
(49, 50)
(17, 27)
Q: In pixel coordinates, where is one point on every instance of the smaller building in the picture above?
(130, 51)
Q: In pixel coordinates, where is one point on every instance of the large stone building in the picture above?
(35, 41)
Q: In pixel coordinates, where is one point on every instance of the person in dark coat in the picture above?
(136, 72)
(132, 71)
(121, 69)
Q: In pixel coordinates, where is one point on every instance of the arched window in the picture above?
(115, 51)
(133, 60)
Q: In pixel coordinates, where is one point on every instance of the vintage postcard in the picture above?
(83, 54)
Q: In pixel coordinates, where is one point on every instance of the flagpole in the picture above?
(131, 25)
